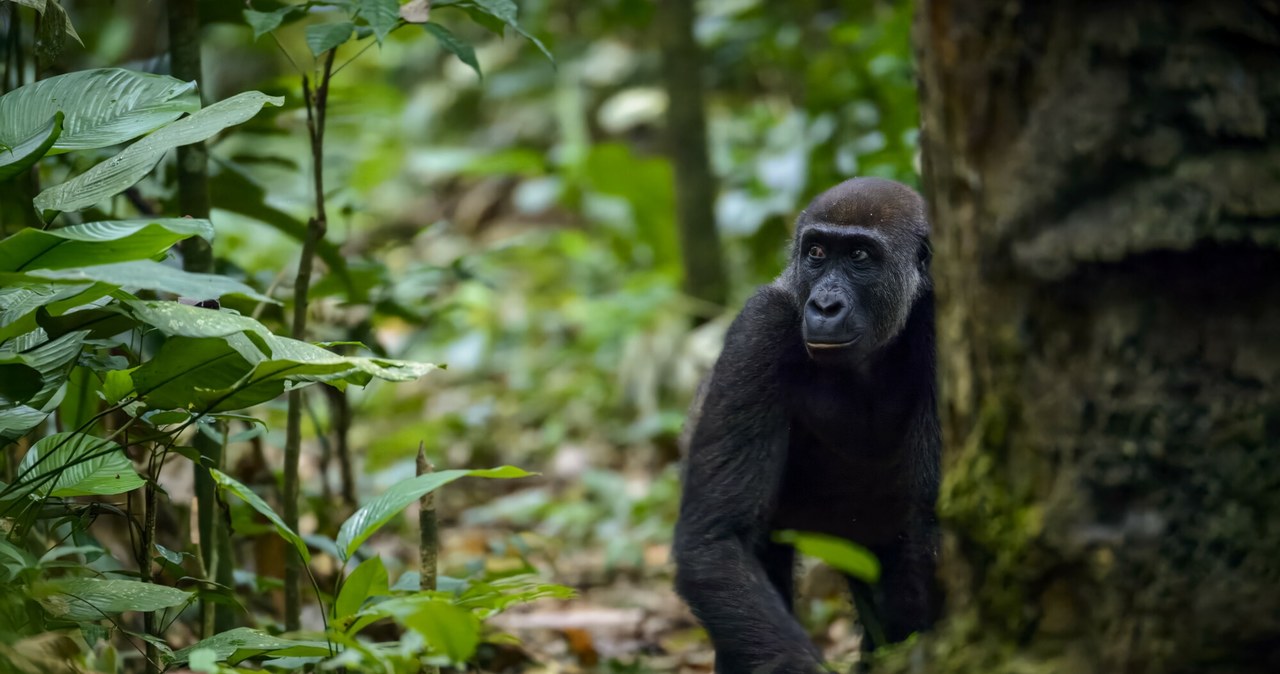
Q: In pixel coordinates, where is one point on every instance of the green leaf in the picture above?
(321, 37)
(382, 15)
(465, 52)
(376, 513)
(302, 361)
(180, 320)
(20, 301)
(16, 159)
(50, 360)
(841, 554)
(235, 645)
(123, 170)
(17, 421)
(503, 11)
(19, 382)
(102, 107)
(99, 323)
(450, 631)
(30, 364)
(96, 243)
(76, 464)
(183, 320)
(248, 496)
(80, 402)
(219, 361)
(93, 598)
(116, 384)
(191, 374)
(367, 580)
(154, 276)
(265, 22)
(57, 20)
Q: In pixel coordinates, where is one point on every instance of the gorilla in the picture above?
(820, 415)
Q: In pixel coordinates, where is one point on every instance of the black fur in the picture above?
(820, 416)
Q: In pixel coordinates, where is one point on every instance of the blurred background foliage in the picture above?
(520, 228)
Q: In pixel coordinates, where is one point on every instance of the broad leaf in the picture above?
(16, 159)
(503, 11)
(265, 22)
(183, 320)
(235, 645)
(20, 301)
(321, 37)
(56, 25)
(17, 421)
(382, 15)
(96, 243)
(103, 107)
(367, 580)
(95, 598)
(248, 496)
(191, 373)
(34, 359)
(465, 52)
(19, 382)
(32, 373)
(841, 554)
(75, 464)
(303, 361)
(450, 631)
(99, 322)
(217, 361)
(373, 515)
(149, 275)
(117, 174)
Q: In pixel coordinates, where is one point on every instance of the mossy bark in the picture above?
(1104, 181)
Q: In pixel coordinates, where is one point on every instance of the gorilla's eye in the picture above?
(817, 253)
(860, 255)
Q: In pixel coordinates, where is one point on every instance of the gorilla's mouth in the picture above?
(831, 346)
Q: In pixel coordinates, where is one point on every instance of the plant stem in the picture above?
(193, 159)
(197, 256)
(428, 541)
(340, 410)
(316, 101)
(144, 563)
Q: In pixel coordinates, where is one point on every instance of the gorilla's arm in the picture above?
(736, 460)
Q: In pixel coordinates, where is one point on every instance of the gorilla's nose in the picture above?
(825, 318)
(827, 305)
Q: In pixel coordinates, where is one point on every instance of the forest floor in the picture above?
(634, 621)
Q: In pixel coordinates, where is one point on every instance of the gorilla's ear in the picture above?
(924, 255)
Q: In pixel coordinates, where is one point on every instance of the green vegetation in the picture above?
(392, 187)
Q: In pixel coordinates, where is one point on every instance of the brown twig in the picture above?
(316, 101)
(428, 541)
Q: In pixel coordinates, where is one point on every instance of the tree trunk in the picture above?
(1105, 187)
(682, 63)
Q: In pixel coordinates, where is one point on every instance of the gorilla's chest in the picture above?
(844, 466)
